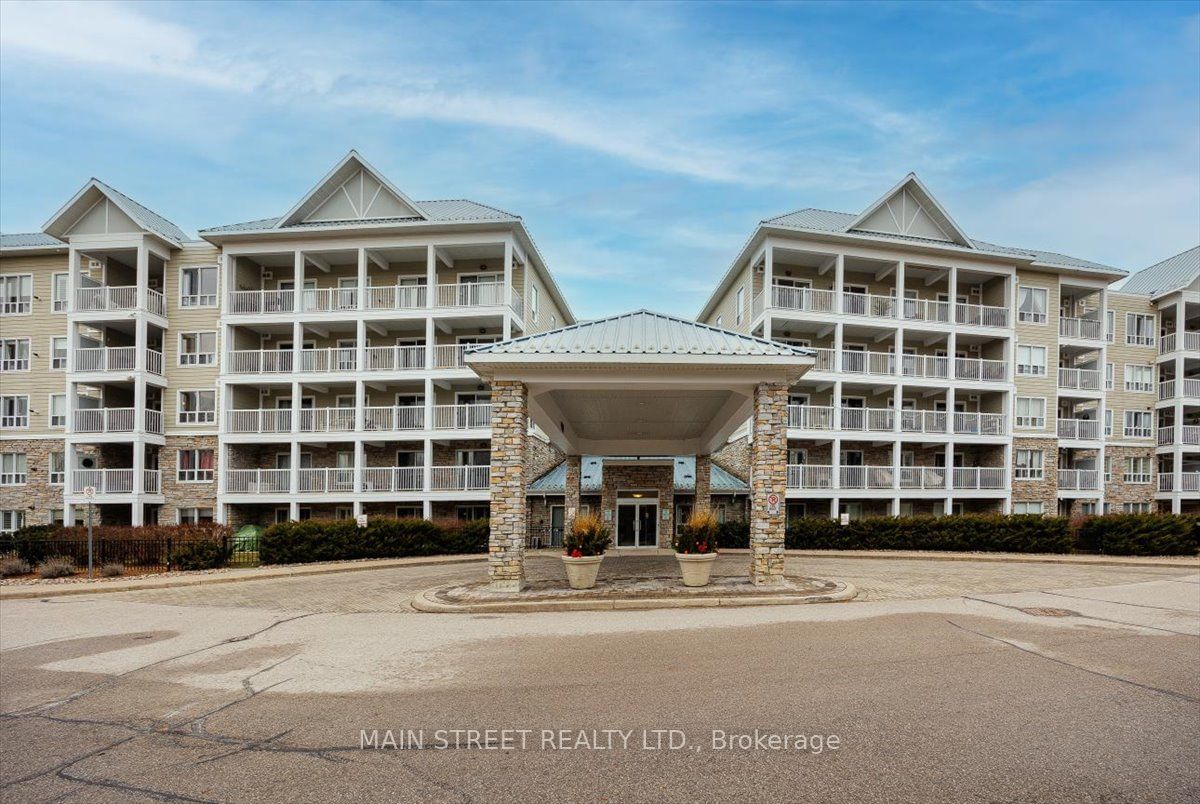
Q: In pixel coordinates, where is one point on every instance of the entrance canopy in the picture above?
(640, 384)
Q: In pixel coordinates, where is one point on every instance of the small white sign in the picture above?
(773, 503)
(361, 519)
(844, 519)
(89, 492)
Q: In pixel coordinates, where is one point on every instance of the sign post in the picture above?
(89, 493)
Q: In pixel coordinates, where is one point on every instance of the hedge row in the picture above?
(1123, 534)
(342, 539)
(189, 547)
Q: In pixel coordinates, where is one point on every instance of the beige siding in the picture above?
(40, 326)
(1045, 335)
(1122, 355)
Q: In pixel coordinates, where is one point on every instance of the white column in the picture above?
(143, 275)
(360, 459)
(767, 293)
(508, 270)
(431, 276)
(298, 277)
(294, 470)
(427, 478)
(1103, 399)
(839, 278)
(137, 506)
(953, 293)
(360, 403)
(430, 350)
(362, 280)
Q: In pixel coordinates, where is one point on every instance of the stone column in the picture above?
(703, 501)
(768, 475)
(506, 544)
(571, 497)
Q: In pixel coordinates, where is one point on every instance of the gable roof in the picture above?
(909, 209)
(31, 242)
(352, 190)
(591, 474)
(1173, 273)
(91, 192)
(641, 332)
(442, 211)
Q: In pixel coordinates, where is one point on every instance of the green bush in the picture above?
(733, 535)
(982, 533)
(199, 555)
(342, 539)
(1140, 534)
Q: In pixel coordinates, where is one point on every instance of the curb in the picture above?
(1182, 562)
(35, 591)
(427, 603)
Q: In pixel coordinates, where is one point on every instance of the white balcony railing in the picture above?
(329, 300)
(926, 310)
(1188, 387)
(980, 315)
(327, 420)
(115, 481)
(472, 294)
(1079, 479)
(268, 420)
(826, 360)
(922, 477)
(451, 355)
(1188, 435)
(1081, 329)
(803, 476)
(973, 368)
(923, 421)
(105, 298)
(462, 417)
(932, 366)
(877, 363)
(869, 304)
(393, 478)
(1079, 429)
(327, 479)
(154, 421)
(460, 478)
(986, 424)
(258, 481)
(1075, 379)
(397, 417)
(397, 297)
(867, 477)
(102, 358)
(810, 417)
(244, 302)
(868, 419)
(395, 358)
(978, 477)
(323, 361)
(807, 299)
(116, 420)
(261, 361)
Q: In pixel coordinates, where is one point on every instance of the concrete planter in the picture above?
(695, 567)
(582, 571)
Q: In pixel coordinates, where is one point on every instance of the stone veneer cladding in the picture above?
(506, 547)
(768, 475)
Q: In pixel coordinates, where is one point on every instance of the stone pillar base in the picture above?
(507, 585)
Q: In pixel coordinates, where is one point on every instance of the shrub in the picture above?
(199, 555)
(984, 533)
(12, 565)
(697, 535)
(587, 536)
(735, 534)
(112, 570)
(342, 539)
(56, 567)
(1140, 534)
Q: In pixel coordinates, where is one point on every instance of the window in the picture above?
(1136, 508)
(1087, 508)
(16, 294)
(58, 293)
(14, 411)
(343, 512)
(58, 353)
(1139, 378)
(197, 407)
(195, 466)
(1138, 423)
(1028, 465)
(1139, 329)
(58, 468)
(198, 286)
(1108, 376)
(1028, 508)
(1031, 361)
(1110, 326)
(58, 410)
(408, 512)
(11, 520)
(467, 513)
(197, 348)
(1108, 465)
(1031, 305)
(740, 304)
(1137, 470)
(1108, 420)
(14, 471)
(1031, 411)
(14, 354)
(722, 512)
(194, 516)
(534, 306)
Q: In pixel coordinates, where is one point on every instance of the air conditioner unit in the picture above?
(95, 265)
(976, 291)
(973, 398)
(268, 274)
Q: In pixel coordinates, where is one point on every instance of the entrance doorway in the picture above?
(637, 519)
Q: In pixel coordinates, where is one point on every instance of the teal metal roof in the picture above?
(1169, 275)
(591, 474)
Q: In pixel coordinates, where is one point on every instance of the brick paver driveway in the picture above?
(390, 590)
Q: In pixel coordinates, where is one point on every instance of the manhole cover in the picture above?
(1049, 612)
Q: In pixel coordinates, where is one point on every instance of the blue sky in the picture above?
(641, 143)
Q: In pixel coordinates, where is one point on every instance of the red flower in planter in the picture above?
(576, 553)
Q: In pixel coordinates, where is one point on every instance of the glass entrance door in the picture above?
(637, 522)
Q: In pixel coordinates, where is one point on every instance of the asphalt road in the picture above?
(946, 684)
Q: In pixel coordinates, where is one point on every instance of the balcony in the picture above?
(341, 480)
(1075, 379)
(923, 421)
(1079, 479)
(396, 418)
(883, 420)
(980, 315)
(395, 358)
(115, 358)
(393, 478)
(1085, 329)
(329, 479)
(867, 419)
(1188, 481)
(117, 298)
(811, 417)
(1187, 435)
(885, 364)
(115, 481)
(910, 478)
(391, 297)
(982, 424)
(1188, 388)
(94, 421)
(868, 305)
(1079, 429)
(460, 478)
(1170, 342)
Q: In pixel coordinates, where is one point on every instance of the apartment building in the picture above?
(309, 364)
(952, 374)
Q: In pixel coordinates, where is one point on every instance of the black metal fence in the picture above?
(541, 537)
(144, 555)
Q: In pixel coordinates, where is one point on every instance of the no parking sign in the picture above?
(773, 503)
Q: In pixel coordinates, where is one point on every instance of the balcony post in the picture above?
(431, 278)
(137, 506)
(839, 276)
(768, 477)
(361, 293)
(768, 290)
(506, 540)
(142, 301)
(952, 279)
(298, 283)
(427, 475)
(294, 469)
(360, 458)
